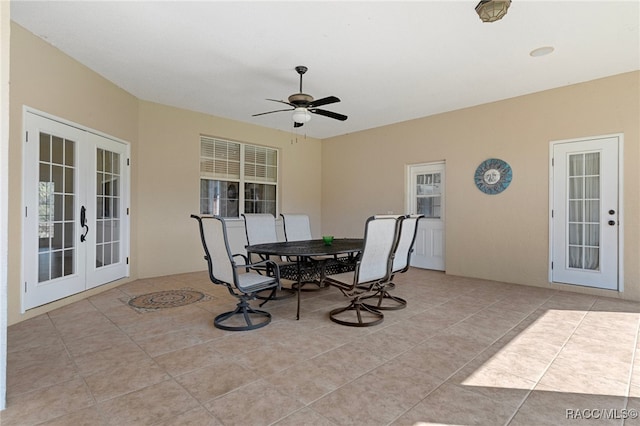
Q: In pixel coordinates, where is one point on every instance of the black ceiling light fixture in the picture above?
(492, 10)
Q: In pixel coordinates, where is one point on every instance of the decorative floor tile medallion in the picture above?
(166, 299)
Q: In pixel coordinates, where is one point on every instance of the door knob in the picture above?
(83, 224)
(612, 212)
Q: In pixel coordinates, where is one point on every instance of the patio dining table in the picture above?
(304, 251)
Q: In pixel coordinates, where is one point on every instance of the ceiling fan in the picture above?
(303, 104)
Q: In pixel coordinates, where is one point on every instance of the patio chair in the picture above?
(298, 228)
(372, 266)
(224, 270)
(401, 259)
(260, 228)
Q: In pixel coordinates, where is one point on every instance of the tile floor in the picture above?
(463, 352)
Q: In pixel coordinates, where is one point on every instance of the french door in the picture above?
(585, 215)
(76, 227)
(425, 186)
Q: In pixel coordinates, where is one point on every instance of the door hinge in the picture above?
(26, 211)
(127, 211)
(26, 136)
(128, 162)
(25, 286)
(553, 161)
(127, 260)
(551, 265)
(551, 213)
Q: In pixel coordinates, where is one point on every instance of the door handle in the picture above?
(83, 224)
(612, 222)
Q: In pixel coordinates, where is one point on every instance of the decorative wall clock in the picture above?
(493, 176)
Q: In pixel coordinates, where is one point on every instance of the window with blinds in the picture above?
(237, 178)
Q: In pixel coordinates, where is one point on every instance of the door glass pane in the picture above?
(592, 163)
(575, 211)
(592, 187)
(575, 233)
(583, 245)
(107, 206)
(575, 257)
(576, 188)
(428, 195)
(68, 261)
(44, 264)
(56, 203)
(576, 164)
(57, 150)
(429, 207)
(592, 211)
(592, 235)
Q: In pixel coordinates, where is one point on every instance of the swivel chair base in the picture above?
(365, 315)
(393, 302)
(252, 318)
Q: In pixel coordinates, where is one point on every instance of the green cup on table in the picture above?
(328, 239)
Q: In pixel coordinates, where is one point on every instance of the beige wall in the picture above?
(44, 78)
(168, 190)
(164, 161)
(501, 237)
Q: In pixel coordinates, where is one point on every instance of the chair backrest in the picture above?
(380, 238)
(296, 227)
(406, 240)
(260, 228)
(213, 233)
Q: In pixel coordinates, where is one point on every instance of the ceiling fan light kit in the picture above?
(303, 105)
(301, 115)
(492, 10)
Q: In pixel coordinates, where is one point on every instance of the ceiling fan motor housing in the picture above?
(300, 99)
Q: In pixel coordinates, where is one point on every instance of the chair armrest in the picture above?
(269, 265)
(245, 258)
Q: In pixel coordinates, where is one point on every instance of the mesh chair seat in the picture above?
(252, 282)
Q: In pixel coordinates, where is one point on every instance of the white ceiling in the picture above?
(387, 61)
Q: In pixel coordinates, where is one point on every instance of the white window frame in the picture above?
(241, 177)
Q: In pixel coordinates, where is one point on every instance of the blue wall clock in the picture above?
(493, 176)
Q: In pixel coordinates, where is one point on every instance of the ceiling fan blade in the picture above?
(282, 102)
(296, 124)
(329, 114)
(324, 101)
(269, 112)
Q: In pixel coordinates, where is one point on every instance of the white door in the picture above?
(76, 229)
(425, 189)
(585, 212)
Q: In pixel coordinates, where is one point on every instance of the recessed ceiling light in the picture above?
(541, 51)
